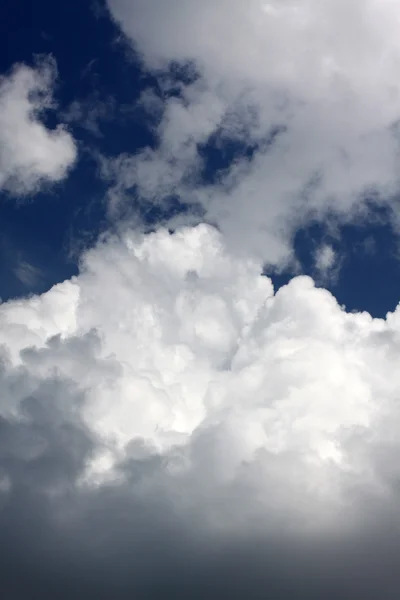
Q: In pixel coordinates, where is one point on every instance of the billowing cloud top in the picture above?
(30, 153)
(167, 381)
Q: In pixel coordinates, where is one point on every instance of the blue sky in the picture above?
(98, 69)
(95, 68)
(200, 285)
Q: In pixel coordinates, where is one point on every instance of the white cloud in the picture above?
(326, 263)
(30, 153)
(325, 72)
(168, 375)
(325, 258)
(178, 345)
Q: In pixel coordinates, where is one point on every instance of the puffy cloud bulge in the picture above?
(311, 85)
(166, 408)
(31, 155)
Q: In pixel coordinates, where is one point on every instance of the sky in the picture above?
(199, 283)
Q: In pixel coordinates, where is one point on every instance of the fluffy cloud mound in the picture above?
(30, 153)
(167, 394)
(310, 87)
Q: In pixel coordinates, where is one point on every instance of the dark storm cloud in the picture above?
(61, 540)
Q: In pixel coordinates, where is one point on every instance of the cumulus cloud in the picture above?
(311, 87)
(170, 426)
(31, 154)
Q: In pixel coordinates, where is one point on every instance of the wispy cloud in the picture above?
(323, 72)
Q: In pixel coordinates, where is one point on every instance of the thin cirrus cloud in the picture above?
(31, 155)
(311, 85)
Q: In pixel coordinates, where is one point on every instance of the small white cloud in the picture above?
(31, 154)
(326, 263)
